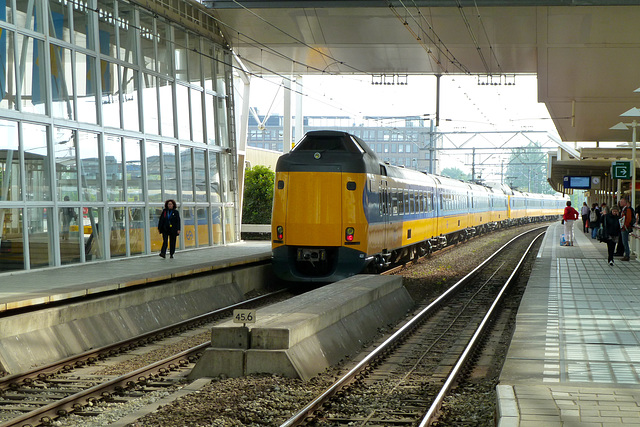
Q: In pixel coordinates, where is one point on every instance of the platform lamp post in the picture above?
(634, 113)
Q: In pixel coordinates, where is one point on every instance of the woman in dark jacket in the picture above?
(169, 227)
(611, 230)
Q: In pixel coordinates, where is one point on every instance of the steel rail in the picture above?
(69, 362)
(431, 414)
(45, 414)
(350, 376)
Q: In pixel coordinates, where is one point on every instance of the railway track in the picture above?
(39, 396)
(405, 379)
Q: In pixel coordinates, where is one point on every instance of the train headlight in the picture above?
(280, 232)
(348, 234)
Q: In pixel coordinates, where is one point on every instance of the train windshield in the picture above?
(320, 142)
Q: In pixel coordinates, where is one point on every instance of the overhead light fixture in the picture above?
(376, 79)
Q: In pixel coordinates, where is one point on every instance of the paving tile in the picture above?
(577, 338)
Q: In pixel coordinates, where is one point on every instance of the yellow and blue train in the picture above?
(338, 210)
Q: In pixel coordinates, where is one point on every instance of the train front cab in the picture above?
(319, 229)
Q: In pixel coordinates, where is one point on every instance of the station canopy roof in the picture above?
(586, 54)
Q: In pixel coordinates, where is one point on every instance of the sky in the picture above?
(465, 106)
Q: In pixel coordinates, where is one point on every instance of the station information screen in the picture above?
(578, 182)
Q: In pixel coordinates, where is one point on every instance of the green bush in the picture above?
(258, 195)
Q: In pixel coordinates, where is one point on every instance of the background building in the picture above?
(107, 109)
(401, 141)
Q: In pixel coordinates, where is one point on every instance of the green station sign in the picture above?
(621, 169)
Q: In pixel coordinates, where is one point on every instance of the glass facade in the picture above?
(108, 109)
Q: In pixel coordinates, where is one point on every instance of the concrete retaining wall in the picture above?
(303, 336)
(44, 336)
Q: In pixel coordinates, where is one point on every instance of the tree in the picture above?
(258, 195)
(455, 173)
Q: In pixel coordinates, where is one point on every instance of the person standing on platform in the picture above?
(569, 217)
(584, 212)
(610, 230)
(169, 227)
(594, 220)
(68, 215)
(626, 226)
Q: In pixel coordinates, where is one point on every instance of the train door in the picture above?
(385, 206)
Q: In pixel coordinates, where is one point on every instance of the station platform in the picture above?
(575, 355)
(20, 289)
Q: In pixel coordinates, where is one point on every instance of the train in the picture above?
(339, 211)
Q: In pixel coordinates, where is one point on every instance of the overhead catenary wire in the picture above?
(436, 40)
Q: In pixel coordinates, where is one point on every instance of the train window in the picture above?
(351, 186)
(406, 201)
(383, 169)
(412, 208)
(280, 184)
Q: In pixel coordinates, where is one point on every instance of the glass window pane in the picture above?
(214, 178)
(133, 170)
(94, 245)
(26, 13)
(220, 72)
(110, 94)
(194, 60)
(207, 65)
(188, 226)
(200, 175)
(5, 12)
(216, 215)
(222, 122)
(147, 39)
(61, 83)
(154, 183)
(9, 164)
(130, 99)
(33, 80)
(82, 24)
(203, 226)
(180, 55)
(86, 88)
(38, 176)
(165, 47)
(182, 106)
(117, 234)
(59, 21)
(170, 172)
(196, 115)
(107, 28)
(227, 175)
(150, 104)
(71, 235)
(64, 146)
(186, 174)
(229, 224)
(7, 67)
(156, 237)
(209, 106)
(39, 237)
(128, 33)
(166, 107)
(11, 245)
(90, 172)
(136, 231)
(113, 164)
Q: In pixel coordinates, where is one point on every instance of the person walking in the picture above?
(594, 220)
(569, 217)
(610, 230)
(169, 227)
(584, 212)
(626, 226)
